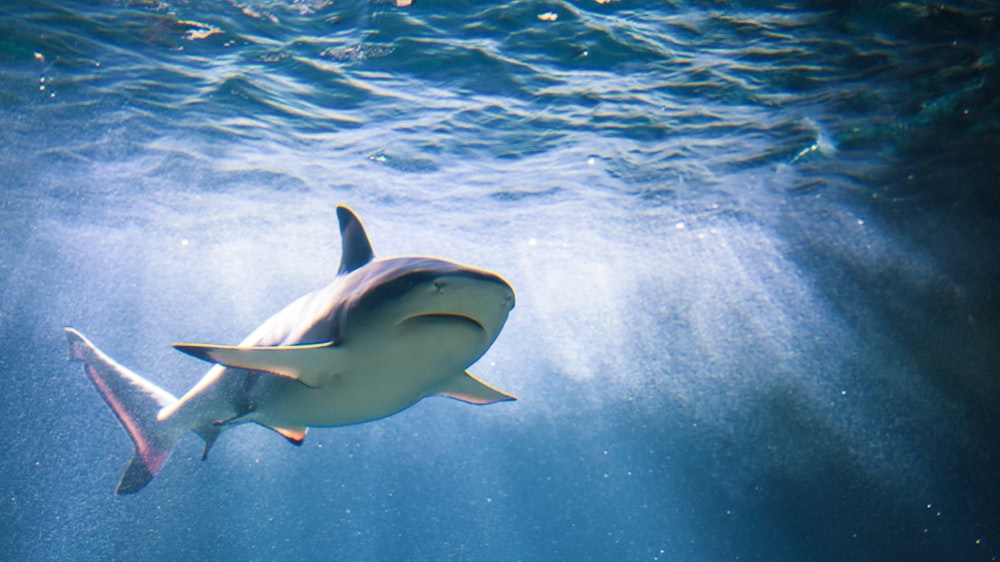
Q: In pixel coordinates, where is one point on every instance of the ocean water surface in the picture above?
(754, 246)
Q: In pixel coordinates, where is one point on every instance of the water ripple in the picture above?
(720, 92)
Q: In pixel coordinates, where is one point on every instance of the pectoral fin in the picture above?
(308, 364)
(467, 388)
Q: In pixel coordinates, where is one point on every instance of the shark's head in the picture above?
(403, 289)
(409, 291)
(414, 291)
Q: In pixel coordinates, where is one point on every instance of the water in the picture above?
(754, 247)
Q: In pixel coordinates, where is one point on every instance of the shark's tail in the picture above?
(136, 402)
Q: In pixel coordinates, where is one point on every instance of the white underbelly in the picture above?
(344, 400)
(377, 376)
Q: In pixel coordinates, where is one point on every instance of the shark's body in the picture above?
(385, 334)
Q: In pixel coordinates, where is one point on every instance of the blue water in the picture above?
(754, 247)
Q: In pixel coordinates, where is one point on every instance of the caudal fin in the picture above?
(136, 402)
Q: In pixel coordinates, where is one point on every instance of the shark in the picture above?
(386, 333)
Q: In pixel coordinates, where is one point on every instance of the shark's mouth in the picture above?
(449, 317)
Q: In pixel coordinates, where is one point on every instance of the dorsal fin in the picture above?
(356, 250)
